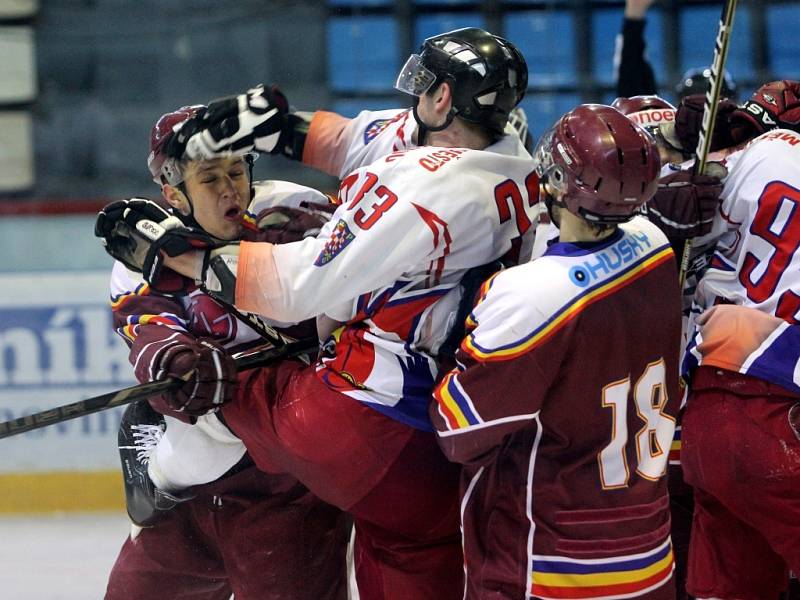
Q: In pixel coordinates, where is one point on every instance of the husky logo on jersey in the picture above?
(338, 241)
(612, 258)
(373, 129)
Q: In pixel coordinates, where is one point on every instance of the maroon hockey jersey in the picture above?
(562, 409)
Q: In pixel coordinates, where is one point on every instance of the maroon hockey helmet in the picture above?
(163, 168)
(649, 112)
(601, 166)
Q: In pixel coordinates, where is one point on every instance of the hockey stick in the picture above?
(710, 109)
(125, 396)
(272, 335)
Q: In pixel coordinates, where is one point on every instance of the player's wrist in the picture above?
(636, 9)
(636, 13)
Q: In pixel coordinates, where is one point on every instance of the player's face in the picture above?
(219, 190)
(668, 155)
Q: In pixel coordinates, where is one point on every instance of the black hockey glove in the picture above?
(138, 232)
(254, 121)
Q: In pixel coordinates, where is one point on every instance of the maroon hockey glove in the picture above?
(689, 119)
(209, 372)
(254, 121)
(281, 225)
(685, 204)
(774, 105)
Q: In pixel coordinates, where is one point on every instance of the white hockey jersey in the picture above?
(151, 323)
(756, 263)
(127, 285)
(338, 145)
(388, 263)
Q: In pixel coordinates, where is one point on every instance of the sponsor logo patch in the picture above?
(338, 241)
(652, 117)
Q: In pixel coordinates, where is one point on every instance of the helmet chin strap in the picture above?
(423, 128)
(189, 219)
(550, 202)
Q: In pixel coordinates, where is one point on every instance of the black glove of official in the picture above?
(254, 121)
(138, 232)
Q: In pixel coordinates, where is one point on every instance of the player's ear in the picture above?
(176, 199)
(443, 97)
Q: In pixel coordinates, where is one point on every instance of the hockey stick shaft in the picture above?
(703, 149)
(139, 392)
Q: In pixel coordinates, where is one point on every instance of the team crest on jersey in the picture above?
(338, 241)
(373, 129)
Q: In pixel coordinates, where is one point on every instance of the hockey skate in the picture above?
(139, 433)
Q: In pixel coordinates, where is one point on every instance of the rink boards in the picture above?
(56, 347)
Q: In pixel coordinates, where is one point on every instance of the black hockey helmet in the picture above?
(698, 80)
(488, 75)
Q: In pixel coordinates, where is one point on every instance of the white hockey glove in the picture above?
(234, 125)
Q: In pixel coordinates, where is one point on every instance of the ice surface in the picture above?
(59, 557)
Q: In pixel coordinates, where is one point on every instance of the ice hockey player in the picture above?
(741, 427)
(563, 404)
(236, 530)
(385, 272)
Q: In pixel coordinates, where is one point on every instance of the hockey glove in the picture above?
(218, 276)
(684, 134)
(281, 225)
(138, 232)
(774, 105)
(234, 125)
(685, 204)
(128, 228)
(209, 373)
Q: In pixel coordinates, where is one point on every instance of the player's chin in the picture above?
(228, 231)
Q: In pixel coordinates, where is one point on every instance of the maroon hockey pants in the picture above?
(259, 536)
(741, 453)
(394, 481)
